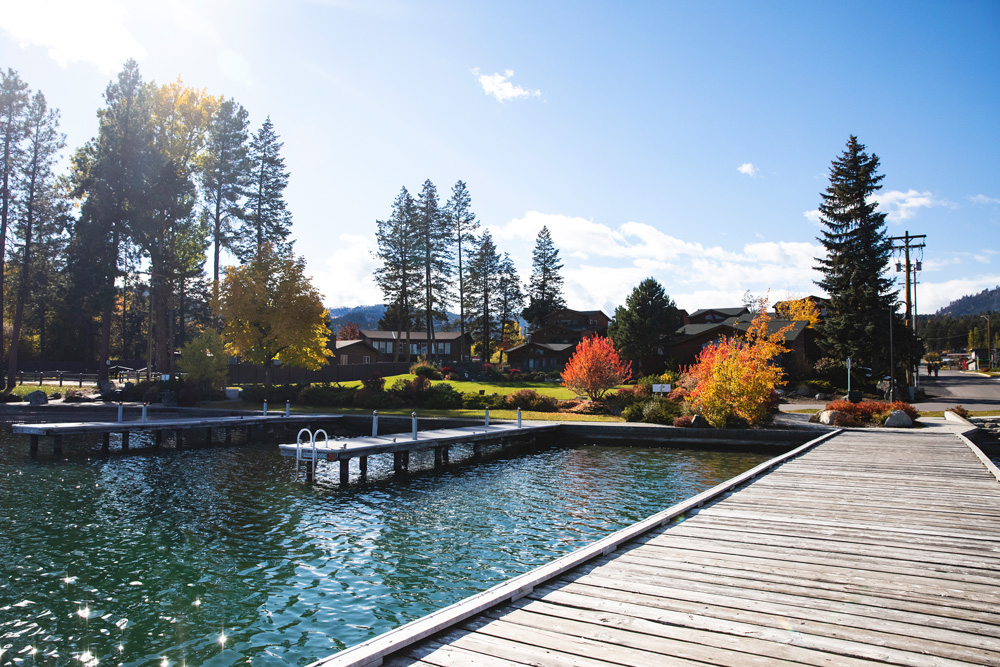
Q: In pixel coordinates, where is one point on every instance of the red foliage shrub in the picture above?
(684, 421)
(868, 411)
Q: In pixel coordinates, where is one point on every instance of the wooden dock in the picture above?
(207, 427)
(401, 444)
(874, 546)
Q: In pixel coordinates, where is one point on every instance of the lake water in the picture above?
(222, 556)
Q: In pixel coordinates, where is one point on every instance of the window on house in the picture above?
(343, 359)
(368, 359)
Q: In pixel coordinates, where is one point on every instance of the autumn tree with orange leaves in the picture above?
(595, 368)
(736, 377)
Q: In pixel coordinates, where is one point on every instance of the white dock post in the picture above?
(487, 423)
(265, 407)
(288, 408)
(143, 413)
(414, 417)
(374, 423)
(119, 412)
(519, 417)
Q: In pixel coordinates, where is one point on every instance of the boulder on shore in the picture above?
(832, 417)
(898, 419)
(37, 398)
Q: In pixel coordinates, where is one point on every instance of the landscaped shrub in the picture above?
(448, 370)
(529, 399)
(441, 397)
(474, 401)
(683, 422)
(632, 394)
(660, 411)
(452, 377)
(327, 395)
(959, 410)
(872, 411)
(514, 374)
(426, 369)
(190, 394)
(375, 383)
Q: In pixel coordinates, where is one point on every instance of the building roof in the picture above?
(553, 347)
(728, 312)
(343, 344)
(415, 336)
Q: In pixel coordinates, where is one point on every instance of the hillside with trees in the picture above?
(987, 301)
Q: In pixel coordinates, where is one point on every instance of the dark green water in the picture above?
(151, 559)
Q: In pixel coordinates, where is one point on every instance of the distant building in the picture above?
(571, 326)
(355, 352)
(447, 343)
(533, 356)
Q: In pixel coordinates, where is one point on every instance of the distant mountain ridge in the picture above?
(986, 301)
(366, 317)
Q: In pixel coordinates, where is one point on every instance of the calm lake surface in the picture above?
(221, 556)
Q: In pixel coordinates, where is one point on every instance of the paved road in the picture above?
(950, 388)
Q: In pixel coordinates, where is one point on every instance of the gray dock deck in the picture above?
(401, 444)
(873, 546)
(56, 430)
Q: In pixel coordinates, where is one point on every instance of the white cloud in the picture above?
(499, 86)
(92, 32)
(748, 168)
(347, 279)
(812, 216)
(603, 264)
(899, 205)
(983, 199)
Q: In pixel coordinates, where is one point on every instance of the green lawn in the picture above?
(553, 389)
(421, 412)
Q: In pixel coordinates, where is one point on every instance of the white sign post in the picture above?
(848, 375)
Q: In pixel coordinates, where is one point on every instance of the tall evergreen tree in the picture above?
(857, 254)
(14, 97)
(510, 294)
(224, 177)
(266, 218)
(463, 226)
(545, 288)
(39, 205)
(400, 275)
(434, 243)
(647, 316)
(483, 295)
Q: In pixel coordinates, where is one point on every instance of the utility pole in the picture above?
(908, 241)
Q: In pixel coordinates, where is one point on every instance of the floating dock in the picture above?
(859, 547)
(206, 426)
(311, 450)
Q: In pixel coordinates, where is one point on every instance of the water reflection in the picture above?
(220, 557)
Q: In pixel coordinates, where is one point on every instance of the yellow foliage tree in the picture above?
(798, 310)
(271, 311)
(736, 377)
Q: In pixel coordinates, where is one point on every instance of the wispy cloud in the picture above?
(983, 199)
(812, 216)
(899, 205)
(499, 86)
(748, 168)
(91, 32)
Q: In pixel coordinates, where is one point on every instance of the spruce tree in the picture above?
(224, 176)
(463, 226)
(862, 301)
(511, 296)
(483, 295)
(545, 289)
(266, 218)
(647, 316)
(434, 244)
(400, 276)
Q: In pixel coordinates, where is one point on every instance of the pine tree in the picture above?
(14, 96)
(434, 243)
(545, 288)
(265, 218)
(857, 254)
(483, 294)
(647, 316)
(224, 176)
(400, 276)
(39, 203)
(510, 295)
(463, 226)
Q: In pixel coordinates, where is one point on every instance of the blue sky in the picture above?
(684, 141)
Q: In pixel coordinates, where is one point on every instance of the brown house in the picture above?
(714, 315)
(534, 356)
(447, 343)
(571, 326)
(355, 352)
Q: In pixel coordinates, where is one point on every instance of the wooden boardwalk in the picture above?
(873, 546)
